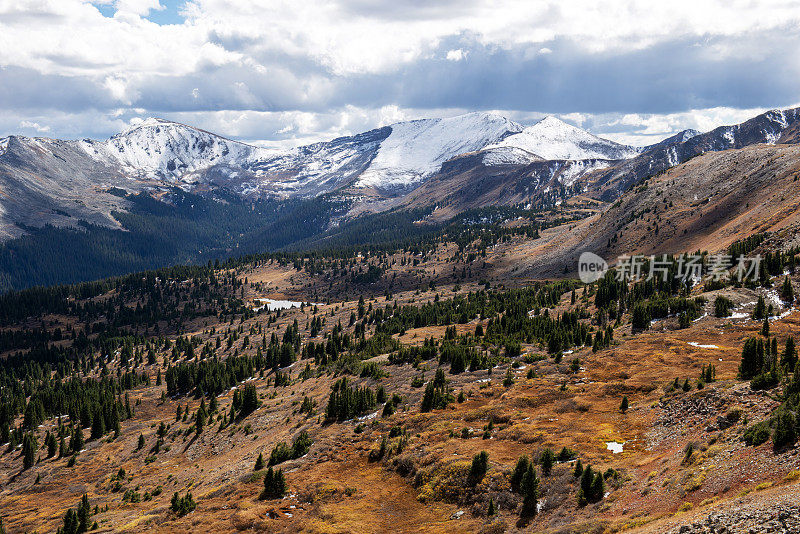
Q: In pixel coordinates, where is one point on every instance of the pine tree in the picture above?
(52, 445)
(519, 471)
(84, 514)
(578, 471)
(789, 356)
(752, 359)
(760, 311)
(585, 491)
(624, 406)
(491, 511)
(29, 448)
(529, 488)
(76, 444)
(249, 400)
(98, 425)
(784, 433)
(598, 488)
(274, 484)
(480, 463)
(765, 327)
(140, 444)
(787, 293)
(547, 460)
(259, 462)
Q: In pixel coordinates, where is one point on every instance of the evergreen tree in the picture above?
(76, 444)
(519, 470)
(598, 488)
(182, 505)
(29, 448)
(491, 511)
(624, 406)
(98, 425)
(274, 484)
(249, 400)
(787, 293)
(84, 514)
(52, 445)
(259, 463)
(789, 356)
(578, 471)
(547, 460)
(529, 488)
(760, 311)
(480, 463)
(785, 433)
(752, 359)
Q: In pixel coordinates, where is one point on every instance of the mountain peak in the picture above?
(147, 123)
(552, 120)
(553, 139)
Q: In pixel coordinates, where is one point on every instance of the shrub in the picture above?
(784, 433)
(182, 505)
(756, 434)
(723, 307)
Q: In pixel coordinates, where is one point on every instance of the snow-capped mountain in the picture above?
(417, 149)
(554, 139)
(391, 159)
(63, 182)
(158, 148)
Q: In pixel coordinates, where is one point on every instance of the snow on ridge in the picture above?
(553, 139)
(417, 149)
(508, 155)
(576, 169)
(157, 147)
(3, 145)
(688, 134)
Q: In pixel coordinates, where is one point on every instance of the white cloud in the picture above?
(456, 55)
(290, 71)
(34, 125)
(138, 7)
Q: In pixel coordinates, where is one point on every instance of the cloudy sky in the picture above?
(290, 72)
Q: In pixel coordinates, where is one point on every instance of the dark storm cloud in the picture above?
(668, 77)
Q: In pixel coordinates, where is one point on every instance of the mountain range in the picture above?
(165, 178)
(52, 177)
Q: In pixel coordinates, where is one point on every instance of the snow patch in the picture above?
(614, 446)
(699, 346)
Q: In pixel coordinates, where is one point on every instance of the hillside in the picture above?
(371, 468)
(706, 203)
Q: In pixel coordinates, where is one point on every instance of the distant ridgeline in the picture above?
(193, 229)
